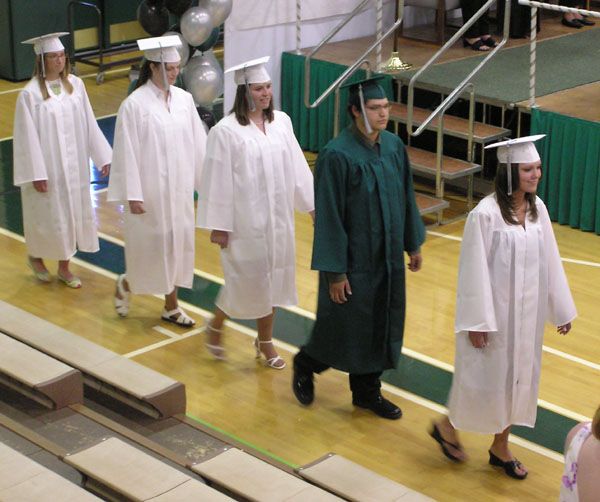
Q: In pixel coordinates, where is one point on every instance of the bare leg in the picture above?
(171, 300)
(63, 270)
(500, 449)
(37, 264)
(215, 327)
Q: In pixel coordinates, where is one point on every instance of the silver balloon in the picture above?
(203, 78)
(219, 9)
(183, 49)
(196, 25)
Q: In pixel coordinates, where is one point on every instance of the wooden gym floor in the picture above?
(255, 404)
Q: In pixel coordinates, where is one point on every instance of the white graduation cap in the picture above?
(161, 50)
(46, 43)
(519, 151)
(251, 72)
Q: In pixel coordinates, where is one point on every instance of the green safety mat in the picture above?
(562, 63)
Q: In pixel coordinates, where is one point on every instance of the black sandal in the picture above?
(435, 434)
(510, 467)
(478, 45)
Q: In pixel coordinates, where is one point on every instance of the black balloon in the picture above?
(210, 41)
(153, 18)
(207, 116)
(178, 7)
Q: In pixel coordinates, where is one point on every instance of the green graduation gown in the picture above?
(366, 218)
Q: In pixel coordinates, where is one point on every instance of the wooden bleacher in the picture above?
(24, 480)
(356, 483)
(138, 386)
(38, 376)
(119, 471)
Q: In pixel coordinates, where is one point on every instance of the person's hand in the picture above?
(479, 339)
(339, 291)
(415, 261)
(136, 207)
(220, 237)
(41, 185)
(564, 329)
(104, 170)
(312, 215)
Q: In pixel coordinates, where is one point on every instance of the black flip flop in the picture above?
(435, 434)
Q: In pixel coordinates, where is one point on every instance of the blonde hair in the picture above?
(596, 424)
(64, 76)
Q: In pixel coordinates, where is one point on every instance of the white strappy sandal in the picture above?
(216, 350)
(122, 304)
(273, 362)
(182, 319)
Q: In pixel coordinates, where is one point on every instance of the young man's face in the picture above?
(378, 113)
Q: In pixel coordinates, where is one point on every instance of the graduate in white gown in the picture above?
(158, 153)
(254, 177)
(55, 134)
(510, 282)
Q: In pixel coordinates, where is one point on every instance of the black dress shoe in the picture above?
(585, 21)
(572, 24)
(380, 406)
(303, 387)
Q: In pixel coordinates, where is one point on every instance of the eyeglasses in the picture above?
(378, 108)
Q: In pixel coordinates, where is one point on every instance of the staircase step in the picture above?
(428, 204)
(453, 126)
(423, 161)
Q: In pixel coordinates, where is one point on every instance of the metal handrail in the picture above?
(455, 94)
(351, 69)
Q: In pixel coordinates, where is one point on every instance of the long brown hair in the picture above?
(596, 424)
(145, 73)
(64, 76)
(505, 201)
(241, 108)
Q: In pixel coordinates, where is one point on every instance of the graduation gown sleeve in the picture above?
(28, 157)
(474, 300)
(215, 195)
(304, 199)
(125, 182)
(414, 230)
(330, 247)
(100, 150)
(561, 307)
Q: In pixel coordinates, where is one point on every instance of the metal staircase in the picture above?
(428, 164)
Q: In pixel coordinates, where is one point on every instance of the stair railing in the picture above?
(352, 68)
(454, 95)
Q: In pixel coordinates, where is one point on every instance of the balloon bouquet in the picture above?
(198, 29)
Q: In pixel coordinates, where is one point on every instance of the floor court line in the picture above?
(290, 348)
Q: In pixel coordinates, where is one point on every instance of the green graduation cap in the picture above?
(363, 90)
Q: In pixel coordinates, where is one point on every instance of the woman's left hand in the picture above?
(105, 170)
(564, 329)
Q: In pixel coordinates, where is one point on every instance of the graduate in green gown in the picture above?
(366, 219)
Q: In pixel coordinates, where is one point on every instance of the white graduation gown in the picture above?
(54, 140)
(250, 185)
(158, 155)
(510, 281)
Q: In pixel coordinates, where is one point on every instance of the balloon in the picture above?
(183, 49)
(178, 7)
(219, 9)
(153, 18)
(203, 78)
(210, 41)
(196, 25)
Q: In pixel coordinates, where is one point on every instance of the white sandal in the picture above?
(122, 304)
(272, 362)
(217, 351)
(183, 320)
